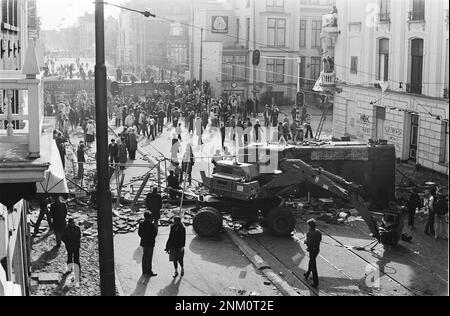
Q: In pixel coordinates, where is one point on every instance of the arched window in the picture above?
(383, 59)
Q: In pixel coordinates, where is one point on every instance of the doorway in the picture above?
(414, 136)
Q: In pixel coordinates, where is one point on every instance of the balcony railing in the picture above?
(21, 104)
(329, 79)
(384, 17)
(416, 15)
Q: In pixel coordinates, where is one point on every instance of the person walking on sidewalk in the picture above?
(148, 233)
(313, 240)
(72, 239)
(58, 213)
(153, 202)
(175, 245)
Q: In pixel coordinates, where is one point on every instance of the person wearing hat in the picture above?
(313, 240)
(176, 243)
(72, 239)
(148, 234)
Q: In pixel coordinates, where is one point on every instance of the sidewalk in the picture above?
(212, 268)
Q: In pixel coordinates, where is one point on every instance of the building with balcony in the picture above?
(27, 149)
(391, 63)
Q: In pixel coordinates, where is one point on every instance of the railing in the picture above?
(21, 110)
(416, 15)
(384, 17)
(329, 79)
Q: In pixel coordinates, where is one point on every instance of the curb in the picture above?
(261, 265)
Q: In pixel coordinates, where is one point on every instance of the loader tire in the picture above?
(281, 221)
(208, 222)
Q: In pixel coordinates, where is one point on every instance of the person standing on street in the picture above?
(148, 233)
(113, 150)
(43, 206)
(429, 227)
(81, 158)
(132, 143)
(122, 153)
(153, 202)
(72, 239)
(413, 204)
(313, 240)
(441, 210)
(58, 213)
(175, 245)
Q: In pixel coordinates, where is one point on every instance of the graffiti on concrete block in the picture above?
(393, 131)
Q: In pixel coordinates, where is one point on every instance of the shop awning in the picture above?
(55, 178)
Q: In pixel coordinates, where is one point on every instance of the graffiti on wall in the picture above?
(394, 135)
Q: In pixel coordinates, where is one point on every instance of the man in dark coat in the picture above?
(148, 233)
(81, 158)
(153, 202)
(43, 205)
(113, 150)
(72, 240)
(58, 213)
(313, 240)
(175, 245)
(413, 203)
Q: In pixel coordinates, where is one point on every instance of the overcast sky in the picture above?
(61, 13)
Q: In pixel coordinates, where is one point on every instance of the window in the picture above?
(416, 66)
(238, 26)
(276, 32)
(383, 59)
(385, 11)
(275, 70)
(10, 13)
(316, 30)
(248, 31)
(234, 68)
(354, 65)
(316, 63)
(275, 4)
(302, 40)
(443, 156)
(302, 72)
(418, 10)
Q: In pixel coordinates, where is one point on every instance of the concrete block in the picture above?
(49, 278)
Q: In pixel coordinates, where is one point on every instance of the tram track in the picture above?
(381, 273)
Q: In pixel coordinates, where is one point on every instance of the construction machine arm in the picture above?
(296, 172)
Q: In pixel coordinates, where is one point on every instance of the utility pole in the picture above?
(201, 58)
(104, 200)
(254, 67)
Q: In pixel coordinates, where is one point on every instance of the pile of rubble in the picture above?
(330, 211)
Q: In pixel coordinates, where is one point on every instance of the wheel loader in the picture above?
(256, 197)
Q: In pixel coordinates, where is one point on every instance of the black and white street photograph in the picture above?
(224, 155)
